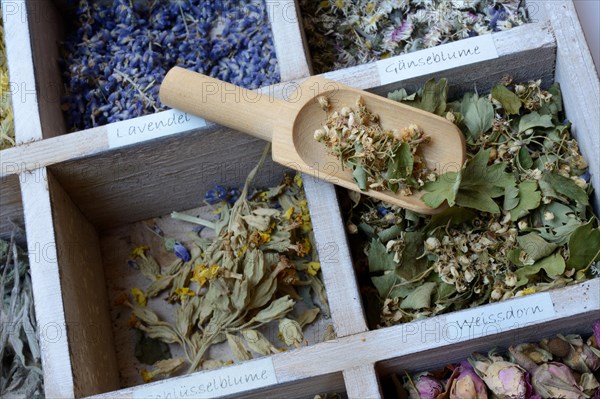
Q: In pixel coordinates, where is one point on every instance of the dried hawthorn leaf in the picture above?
(276, 310)
(385, 282)
(258, 343)
(478, 115)
(509, 100)
(529, 199)
(554, 265)
(443, 189)
(535, 246)
(238, 348)
(553, 184)
(360, 176)
(584, 246)
(533, 119)
(400, 165)
(420, 298)
(379, 258)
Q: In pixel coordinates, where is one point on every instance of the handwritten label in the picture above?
(501, 316)
(435, 59)
(212, 384)
(151, 126)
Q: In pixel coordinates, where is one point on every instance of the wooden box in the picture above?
(83, 192)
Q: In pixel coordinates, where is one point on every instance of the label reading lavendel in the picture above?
(150, 127)
(216, 383)
(498, 317)
(435, 59)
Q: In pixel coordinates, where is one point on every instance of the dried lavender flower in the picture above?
(118, 53)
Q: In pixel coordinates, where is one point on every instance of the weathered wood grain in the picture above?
(362, 382)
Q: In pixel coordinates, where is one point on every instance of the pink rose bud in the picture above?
(468, 385)
(505, 379)
(555, 380)
(596, 330)
(428, 387)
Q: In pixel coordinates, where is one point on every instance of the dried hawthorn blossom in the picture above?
(344, 33)
(118, 53)
(20, 363)
(380, 159)
(7, 128)
(261, 269)
(563, 366)
(519, 221)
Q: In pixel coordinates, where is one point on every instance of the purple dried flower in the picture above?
(428, 387)
(467, 384)
(505, 379)
(216, 195)
(181, 252)
(403, 31)
(596, 330)
(555, 380)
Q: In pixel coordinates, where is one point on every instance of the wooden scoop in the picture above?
(290, 125)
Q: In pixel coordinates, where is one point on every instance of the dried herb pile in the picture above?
(7, 128)
(344, 33)
(564, 366)
(20, 365)
(520, 219)
(380, 159)
(260, 271)
(119, 51)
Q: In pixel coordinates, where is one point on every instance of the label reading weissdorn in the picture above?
(212, 384)
(435, 59)
(498, 317)
(150, 127)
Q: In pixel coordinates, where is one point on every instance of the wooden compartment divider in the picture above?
(67, 181)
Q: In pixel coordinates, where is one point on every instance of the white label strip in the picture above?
(151, 126)
(216, 383)
(435, 59)
(498, 317)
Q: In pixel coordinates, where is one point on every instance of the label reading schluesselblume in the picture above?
(498, 317)
(435, 59)
(150, 127)
(212, 384)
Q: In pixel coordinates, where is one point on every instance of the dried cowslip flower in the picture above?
(381, 159)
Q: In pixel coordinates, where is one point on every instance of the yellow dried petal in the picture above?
(313, 268)
(139, 296)
(147, 375)
(139, 252)
(288, 213)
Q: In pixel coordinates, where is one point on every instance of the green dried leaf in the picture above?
(524, 158)
(379, 259)
(240, 295)
(552, 184)
(167, 367)
(478, 114)
(400, 165)
(420, 298)
(360, 177)
(443, 189)
(159, 285)
(584, 246)
(554, 265)
(452, 216)
(533, 119)
(263, 293)
(529, 199)
(258, 343)
(535, 246)
(511, 198)
(149, 350)
(237, 347)
(384, 283)
(163, 332)
(413, 264)
(433, 96)
(509, 100)
(254, 267)
(401, 95)
(276, 310)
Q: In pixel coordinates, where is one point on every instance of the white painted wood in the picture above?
(284, 17)
(338, 271)
(362, 382)
(47, 290)
(579, 82)
(21, 71)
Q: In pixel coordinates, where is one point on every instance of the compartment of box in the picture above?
(433, 360)
(97, 203)
(20, 329)
(42, 25)
(379, 30)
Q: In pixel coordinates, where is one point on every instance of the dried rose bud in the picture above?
(425, 387)
(505, 379)
(592, 357)
(596, 330)
(468, 385)
(555, 380)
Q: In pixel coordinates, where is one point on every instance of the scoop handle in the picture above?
(220, 102)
